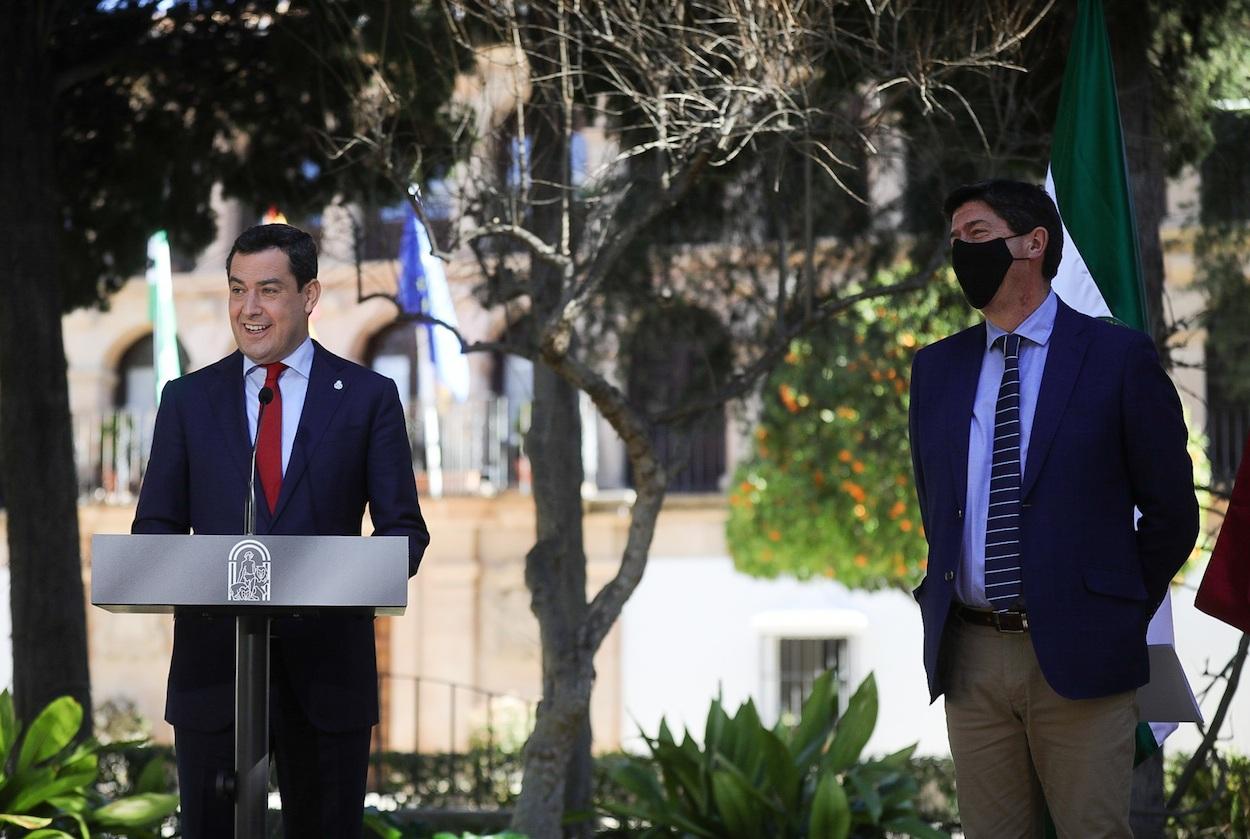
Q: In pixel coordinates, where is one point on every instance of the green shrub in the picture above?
(748, 781)
(935, 801)
(477, 778)
(1217, 801)
(47, 784)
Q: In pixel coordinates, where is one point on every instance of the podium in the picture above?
(254, 578)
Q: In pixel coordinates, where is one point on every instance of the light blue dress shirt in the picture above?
(293, 384)
(1035, 332)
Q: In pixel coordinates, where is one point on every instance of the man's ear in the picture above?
(1035, 245)
(312, 293)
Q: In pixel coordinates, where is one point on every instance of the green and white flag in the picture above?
(165, 365)
(1100, 273)
(1101, 270)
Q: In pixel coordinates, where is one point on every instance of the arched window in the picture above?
(393, 353)
(136, 377)
(676, 355)
(113, 449)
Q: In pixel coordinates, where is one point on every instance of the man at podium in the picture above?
(329, 438)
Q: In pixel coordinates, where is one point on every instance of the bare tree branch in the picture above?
(1196, 761)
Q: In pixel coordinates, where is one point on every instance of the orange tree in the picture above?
(827, 489)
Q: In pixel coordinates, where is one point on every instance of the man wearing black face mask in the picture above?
(1034, 437)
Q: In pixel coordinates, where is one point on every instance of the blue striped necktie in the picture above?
(1002, 529)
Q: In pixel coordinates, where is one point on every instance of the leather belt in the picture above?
(1010, 621)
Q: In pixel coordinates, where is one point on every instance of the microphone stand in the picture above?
(249, 503)
(251, 689)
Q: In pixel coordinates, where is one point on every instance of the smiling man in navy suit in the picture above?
(1034, 436)
(331, 441)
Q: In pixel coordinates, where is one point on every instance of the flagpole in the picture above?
(1090, 182)
(427, 396)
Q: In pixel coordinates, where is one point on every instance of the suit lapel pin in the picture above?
(338, 384)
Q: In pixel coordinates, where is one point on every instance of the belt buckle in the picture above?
(1015, 623)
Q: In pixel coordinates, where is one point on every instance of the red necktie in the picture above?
(269, 438)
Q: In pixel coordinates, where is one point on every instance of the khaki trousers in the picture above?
(1019, 746)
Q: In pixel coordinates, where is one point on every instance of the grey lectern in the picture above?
(254, 578)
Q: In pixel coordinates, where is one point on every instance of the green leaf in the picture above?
(854, 728)
(815, 723)
(50, 833)
(742, 817)
(717, 720)
(684, 773)
(637, 778)
(780, 772)
(87, 748)
(898, 791)
(757, 795)
(142, 810)
(666, 819)
(28, 822)
(154, 775)
(728, 738)
(72, 804)
(912, 826)
(745, 746)
(79, 764)
(899, 759)
(33, 794)
(51, 732)
(831, 814)
(866, 791)
(378, 825)
(665, 735)
(21, 783)
(8, 727)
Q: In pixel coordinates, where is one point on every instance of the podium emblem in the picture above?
(248, 572)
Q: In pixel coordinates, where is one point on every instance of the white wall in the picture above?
(1205, 644)
(688, 632)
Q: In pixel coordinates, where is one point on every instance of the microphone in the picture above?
(249, 505)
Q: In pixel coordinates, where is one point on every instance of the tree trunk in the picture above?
(36, 446)
(555, 572)
(557, 758)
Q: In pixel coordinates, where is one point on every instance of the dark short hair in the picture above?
(299, 247)
(1023, 206)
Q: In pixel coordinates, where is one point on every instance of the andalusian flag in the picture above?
(1100, 274)
(165, 364)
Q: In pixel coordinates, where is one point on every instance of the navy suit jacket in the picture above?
(1108, 435)
(351, 449)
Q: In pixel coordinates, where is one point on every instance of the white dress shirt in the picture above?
(293, 384)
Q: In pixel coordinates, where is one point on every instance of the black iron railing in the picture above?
(459, 746)
(1228, 425)
(475, 451)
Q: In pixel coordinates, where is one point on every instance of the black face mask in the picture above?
(981, 266)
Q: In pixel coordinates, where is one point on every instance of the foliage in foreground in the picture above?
(748, 781)
(480, 777)
(380, 825)
(46, 789)
(1216, 803)
(827, 491)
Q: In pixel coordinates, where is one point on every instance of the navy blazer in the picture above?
(351, 449)
(1108, 435)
